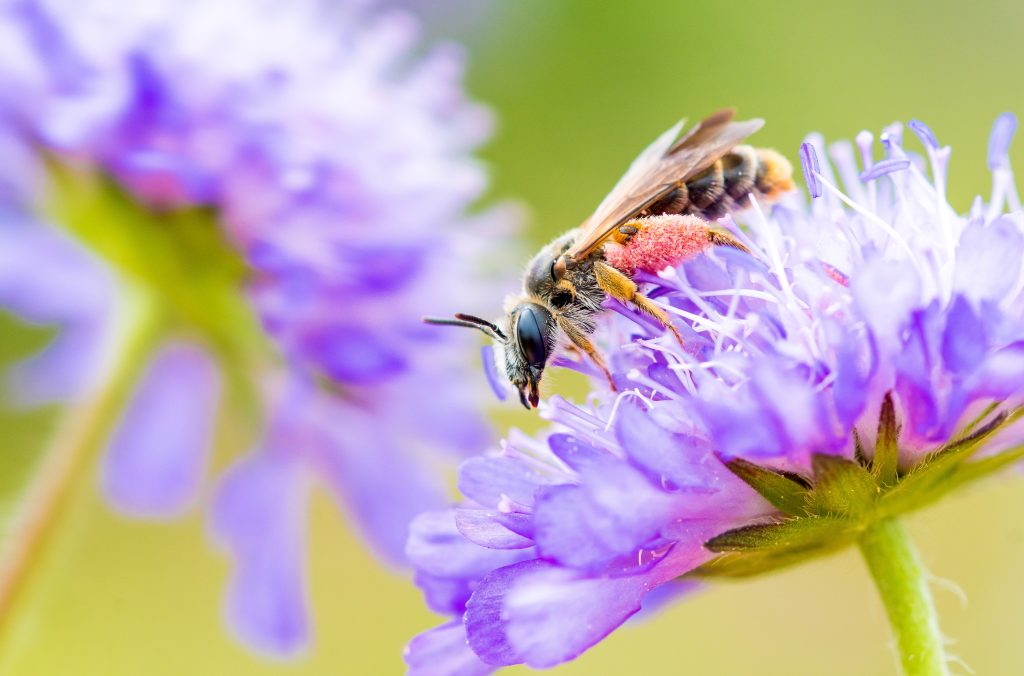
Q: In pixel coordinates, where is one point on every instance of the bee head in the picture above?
(526, 343)
(526, 355)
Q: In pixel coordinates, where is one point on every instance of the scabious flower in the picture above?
(264, 198)
(865, 357)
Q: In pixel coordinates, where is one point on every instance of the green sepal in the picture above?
(757, 561)
(785, 491)
(794, 533)
(858, 450)
(846, 498)
(933, 476)
(971, 471)
(841, 487)
(884, 463)
(760, 548)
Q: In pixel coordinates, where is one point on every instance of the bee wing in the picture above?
(669, 161)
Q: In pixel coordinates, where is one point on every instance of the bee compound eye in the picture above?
(531, 335)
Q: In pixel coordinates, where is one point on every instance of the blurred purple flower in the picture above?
(860, 305)
(335, 162)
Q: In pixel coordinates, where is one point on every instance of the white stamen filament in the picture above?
(641, 378)
(735, 294)
(888, 229)
(708, 365)
(618, 400)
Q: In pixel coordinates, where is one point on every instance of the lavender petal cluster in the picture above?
(870, 320)
(330, 157)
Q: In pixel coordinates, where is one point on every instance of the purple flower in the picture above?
(285, 188)
(866, 357)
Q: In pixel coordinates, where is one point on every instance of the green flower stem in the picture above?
(901, 581)
(81, 434)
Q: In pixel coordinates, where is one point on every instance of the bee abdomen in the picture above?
(774, 173)
(726, 184)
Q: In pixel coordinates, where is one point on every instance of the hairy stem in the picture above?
(902, 584)
(82, 432)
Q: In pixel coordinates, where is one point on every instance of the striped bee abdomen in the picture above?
(725, 185)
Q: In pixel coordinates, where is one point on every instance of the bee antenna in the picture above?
(469, 321)
(481, 322)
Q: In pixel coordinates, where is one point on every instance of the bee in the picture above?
(659, 214)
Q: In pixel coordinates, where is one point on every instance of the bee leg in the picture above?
(722, 237)
(619, 286)
(624, 233)
(583, 343)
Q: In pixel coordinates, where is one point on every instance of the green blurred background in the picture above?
(578, 88)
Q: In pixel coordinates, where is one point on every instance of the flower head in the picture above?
(281, 186)
(863, 359)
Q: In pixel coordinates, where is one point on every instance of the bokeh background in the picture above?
(579, 87)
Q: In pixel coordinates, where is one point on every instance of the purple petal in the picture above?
(157, 455)
(437, 547)
(259, 515)
(613, 512)
(921, 418)
(741, 428)
(482, 527)
(353, 354)
(59, 373)
(447, 564)
(491, 371)
(486, 480)
(572, 613)
(444, 651)
(674, 460)
(540, 615)
(794, 408)
(809, 164)
(1001, 374)
(856, 362)
(575, 452)
(444, 412)
(964, 342)
(46, 277)
(999, 141)
(64, 64)
(383, 483)
(666, 377)
(885, 167)
(988, 259)
(385, 269)
(899, 285)
(520, 523)
(486, 618)
(444, 595)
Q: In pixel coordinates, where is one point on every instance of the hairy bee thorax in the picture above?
(574, 293)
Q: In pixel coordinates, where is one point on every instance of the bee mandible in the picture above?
(659, 214)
